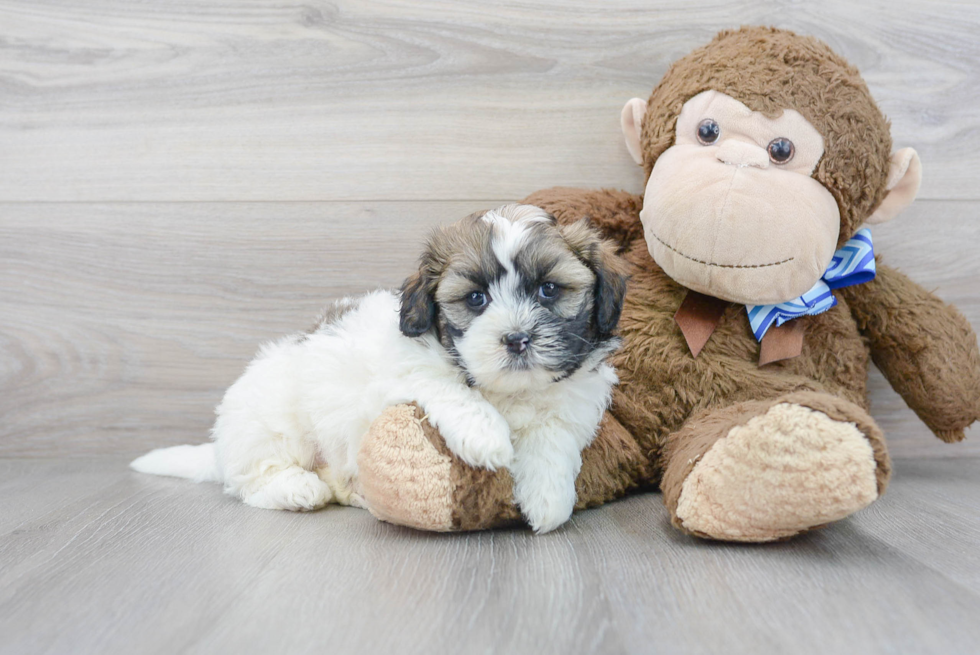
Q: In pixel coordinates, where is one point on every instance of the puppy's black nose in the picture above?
(517, 342)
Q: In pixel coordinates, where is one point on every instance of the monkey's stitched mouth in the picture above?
(701, 261)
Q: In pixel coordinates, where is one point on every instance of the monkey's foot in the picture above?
(763, 471)
(408, 476)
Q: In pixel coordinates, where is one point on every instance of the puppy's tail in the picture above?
(197, 463)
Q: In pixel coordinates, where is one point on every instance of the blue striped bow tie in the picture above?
(853, 263)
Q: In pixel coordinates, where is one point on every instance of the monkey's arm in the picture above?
(924, 347)
(615, 213)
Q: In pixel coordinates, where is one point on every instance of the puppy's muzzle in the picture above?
(517, 342)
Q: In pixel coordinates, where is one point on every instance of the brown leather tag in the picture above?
(698, 316)
(783, 342)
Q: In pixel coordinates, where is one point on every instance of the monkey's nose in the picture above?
(517, 342)
(742, 154)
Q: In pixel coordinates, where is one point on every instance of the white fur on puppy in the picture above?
(501, 338)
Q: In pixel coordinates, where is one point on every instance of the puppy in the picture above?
(501, 337)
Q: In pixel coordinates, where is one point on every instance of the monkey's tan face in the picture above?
(730, 210)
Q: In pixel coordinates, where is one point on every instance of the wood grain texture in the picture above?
(351, 100)
(124, 323)
(138, 275)
(104, 560)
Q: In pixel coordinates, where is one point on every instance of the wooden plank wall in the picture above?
(180, 181)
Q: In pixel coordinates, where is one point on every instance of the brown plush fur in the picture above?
(671, 408)
(611, 466)
(661, 385)
(924, 347)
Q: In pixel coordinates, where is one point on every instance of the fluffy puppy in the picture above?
(501, 336)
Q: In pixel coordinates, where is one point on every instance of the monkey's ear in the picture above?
(904, 178)
(418, 306)
(632, 122)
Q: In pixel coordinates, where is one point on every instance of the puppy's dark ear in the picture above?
(417, 314)
(418, 306)
(610, 292)
(609, 269)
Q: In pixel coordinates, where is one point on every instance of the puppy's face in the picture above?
(518, 301)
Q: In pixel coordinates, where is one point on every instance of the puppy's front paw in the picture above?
(546, 501)
(495, 454)
(544, 515)
(480, 437)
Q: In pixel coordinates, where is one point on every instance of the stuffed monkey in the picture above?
(754, 308)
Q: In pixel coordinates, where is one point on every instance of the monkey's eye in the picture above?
(781, 150)
(548, 291)
(477, 300)
(708, 131)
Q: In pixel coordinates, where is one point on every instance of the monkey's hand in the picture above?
(924, 347)
(615, 213)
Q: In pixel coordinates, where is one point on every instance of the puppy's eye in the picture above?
(548, 291)
(476, 300)
(708, 131)
(781, 150)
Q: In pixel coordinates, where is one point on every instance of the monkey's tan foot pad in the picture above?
(782, 472)
(407, 476)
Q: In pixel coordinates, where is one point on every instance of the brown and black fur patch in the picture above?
(332, 314)
(465, 244)
(459, 259)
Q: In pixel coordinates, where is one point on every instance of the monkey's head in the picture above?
(764, 153)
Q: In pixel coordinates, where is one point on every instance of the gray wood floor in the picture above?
(180, 181)
(98, 559)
